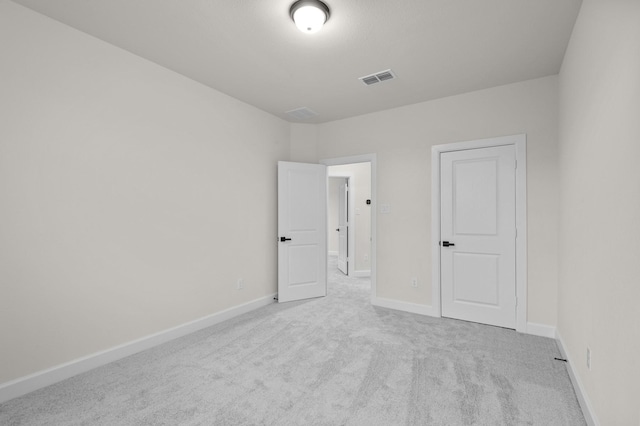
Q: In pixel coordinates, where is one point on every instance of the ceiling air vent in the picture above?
(301, 113)
(378, 77)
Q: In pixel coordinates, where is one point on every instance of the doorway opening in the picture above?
(339, 217)
(351, 219)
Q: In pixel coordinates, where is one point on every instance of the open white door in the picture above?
(302, 231)
(478, 210)
(343, 227)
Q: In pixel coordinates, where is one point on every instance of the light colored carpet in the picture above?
(330, 361)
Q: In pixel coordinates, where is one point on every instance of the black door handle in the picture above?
(338, 229)
(447, 244)
(283, 239)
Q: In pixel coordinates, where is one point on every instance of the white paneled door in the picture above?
(343, 227)
(478, 232)
(302, 231)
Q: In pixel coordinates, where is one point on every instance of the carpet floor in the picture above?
(335, 360)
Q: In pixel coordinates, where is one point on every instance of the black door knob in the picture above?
(447, 244)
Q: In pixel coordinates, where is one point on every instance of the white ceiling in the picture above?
(251, 50)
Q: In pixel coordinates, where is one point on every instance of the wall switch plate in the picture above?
(414, 282)
(240, 284)
(385, 209)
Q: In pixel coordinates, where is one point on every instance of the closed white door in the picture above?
(343, 227)
(302, 231)
(478, 231)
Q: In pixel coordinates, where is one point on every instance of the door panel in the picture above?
(302, 221)
(475, 197)
(476, 278)
(478, 219)
(343, 227)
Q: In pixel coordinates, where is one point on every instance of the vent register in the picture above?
(305, 113)
(301, 113)
(378, 77)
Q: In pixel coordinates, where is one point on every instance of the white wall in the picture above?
(132, 197)
(304, 149)
(402, 139)
(599, 281)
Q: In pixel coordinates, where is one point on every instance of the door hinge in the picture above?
(516, 232)
(515, 164)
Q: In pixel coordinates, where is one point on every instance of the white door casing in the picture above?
(343, 227)
(477, 190)
(302, 231)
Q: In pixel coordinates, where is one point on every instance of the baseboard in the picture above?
(583, 398)
(532, 328)
(399, 305)
(361, 274)
(41, 379)
(541, 330)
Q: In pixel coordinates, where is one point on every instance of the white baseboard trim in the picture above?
(41, 379)
(583, 398)
(541, 330)
(399, 305)
(361, 274)
(532, 328)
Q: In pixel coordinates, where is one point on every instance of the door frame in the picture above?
(350, 218)
(520, 144)
(372, 159)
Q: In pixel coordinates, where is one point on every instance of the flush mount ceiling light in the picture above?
(309, 15)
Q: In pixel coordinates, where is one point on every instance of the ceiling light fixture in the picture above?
(309, 15)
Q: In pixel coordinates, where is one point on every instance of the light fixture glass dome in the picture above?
(309, 15)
